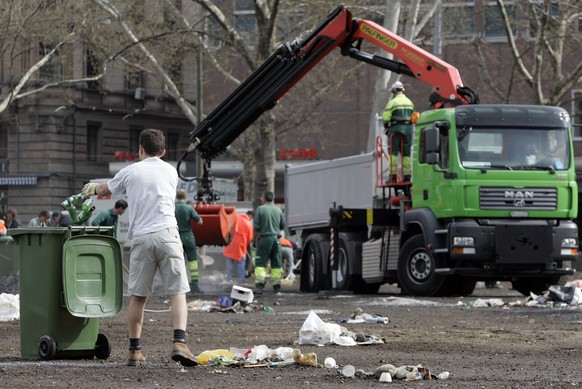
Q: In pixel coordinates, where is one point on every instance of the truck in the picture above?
(474, 208)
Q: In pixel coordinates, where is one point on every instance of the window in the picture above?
(213, 31)
(536, 11)
(133, 79)
(444, 143)
(52, 70)
(93, 141)
(245, 21)
(577, 112)
(173, 146)
(134, 132)
(494, 29)
(457, 21)
(92, 68)
(3, 141)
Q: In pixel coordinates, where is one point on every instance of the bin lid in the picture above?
(92, 275)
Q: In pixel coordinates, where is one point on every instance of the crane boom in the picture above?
(262, 90)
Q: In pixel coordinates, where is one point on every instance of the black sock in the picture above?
(180, 336)
(134, 343)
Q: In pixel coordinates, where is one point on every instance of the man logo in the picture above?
(519, 196)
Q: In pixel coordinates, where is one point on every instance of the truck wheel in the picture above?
(313, 266)
(416, 265)
(343, 275)
(534, 285)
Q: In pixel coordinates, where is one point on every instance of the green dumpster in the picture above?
(70, 277)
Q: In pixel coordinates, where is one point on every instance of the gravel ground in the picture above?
(509, 346)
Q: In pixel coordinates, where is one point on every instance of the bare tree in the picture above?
(22, 27)
(412, 26)
(545, 62)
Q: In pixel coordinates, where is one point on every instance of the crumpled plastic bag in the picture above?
(568, 294)
(206, 357)
(9, 307)
(316, 331)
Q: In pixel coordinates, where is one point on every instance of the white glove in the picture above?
(89, 189)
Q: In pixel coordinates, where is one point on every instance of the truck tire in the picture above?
(416, 275)
(311, 267)
(534, 285)
(343, 276)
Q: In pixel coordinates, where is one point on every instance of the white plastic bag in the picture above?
(9, 307)
(316, 331)
(259, 353)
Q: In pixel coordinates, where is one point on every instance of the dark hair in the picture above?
(121, 204)
(12, 211)
(152, 141)
(268, 196)
(44, 214)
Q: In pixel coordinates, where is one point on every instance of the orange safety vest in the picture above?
(243, 236)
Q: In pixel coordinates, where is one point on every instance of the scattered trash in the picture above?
(316, 331)
(220, 356)
(385, 377)
(9, 307)
(360, 316)
(574, 283)
(309, 359)
(556, 296)
(480, 303)
(241, 294)
(568, 294)
(224, 301)
(348, 371)
(407, 373)
(330, 363)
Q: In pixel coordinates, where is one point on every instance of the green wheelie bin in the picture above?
(70, 277)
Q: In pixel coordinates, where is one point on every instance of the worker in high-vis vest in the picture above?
(185, 213)
(397, 118)
(267, 223)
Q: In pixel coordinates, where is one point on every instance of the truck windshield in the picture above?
(514, 148)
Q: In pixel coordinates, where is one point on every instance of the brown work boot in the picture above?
(135, 358)
(181, 353)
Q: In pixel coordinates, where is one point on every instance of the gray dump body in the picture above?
(312, 189)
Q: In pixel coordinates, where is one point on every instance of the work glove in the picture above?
(89, 189)
(386, 127)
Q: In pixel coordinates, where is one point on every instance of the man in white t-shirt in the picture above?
(150, 186)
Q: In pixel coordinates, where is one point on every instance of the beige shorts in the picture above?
(158, 250)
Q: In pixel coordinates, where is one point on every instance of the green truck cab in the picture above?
(493, 196)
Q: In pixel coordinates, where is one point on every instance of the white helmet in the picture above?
(397, 86)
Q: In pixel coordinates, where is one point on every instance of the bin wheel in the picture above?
(47, 347)
(102, 347)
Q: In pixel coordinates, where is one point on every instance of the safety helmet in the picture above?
(397, 86)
